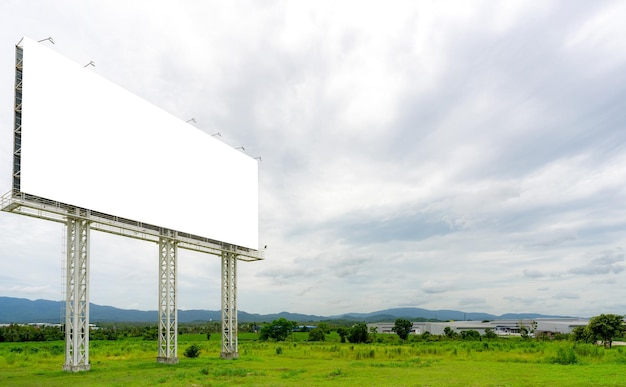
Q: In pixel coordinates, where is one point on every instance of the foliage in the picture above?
(150, 333)
(582, 335)
(527, 330)
(605, 327)
(565, 356)
(402, 327)
(277, 330)
(490, 334)
(358, 334)
(509, 361)
(192, 351)
(450, 333)
(343, 333)
(22, 333)
(470, 334)
(324, 327)
(316, 334)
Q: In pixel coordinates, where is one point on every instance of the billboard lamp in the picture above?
(49, 38)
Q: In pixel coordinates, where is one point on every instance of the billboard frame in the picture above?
(80, 221)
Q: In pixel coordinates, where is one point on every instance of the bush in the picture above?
(192, 351)
(316, 334)
(565, 356)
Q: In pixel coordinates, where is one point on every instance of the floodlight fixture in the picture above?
(218, 134)
(242, 148)
(91, 63)
(192, 119)
(258, 158)
(49, 38)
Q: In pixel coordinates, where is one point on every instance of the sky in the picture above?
(466, 155)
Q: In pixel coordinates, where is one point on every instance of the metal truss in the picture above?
(77, 296)
(168, 316)
(79, 223)
(229, 306)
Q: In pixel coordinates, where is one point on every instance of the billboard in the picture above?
(89, 143)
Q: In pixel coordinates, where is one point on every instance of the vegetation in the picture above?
(277, 330)
(192, 351)
(402, 327)
(421, 360)
(358, 334)
(604, 328)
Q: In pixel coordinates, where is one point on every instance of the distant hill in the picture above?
(21, 310)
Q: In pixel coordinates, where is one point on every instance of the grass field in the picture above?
(503, 362)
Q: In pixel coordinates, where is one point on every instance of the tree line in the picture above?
(603, 329)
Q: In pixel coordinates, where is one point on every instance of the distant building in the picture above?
(548, 326)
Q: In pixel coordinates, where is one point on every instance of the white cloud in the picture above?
(446, 155)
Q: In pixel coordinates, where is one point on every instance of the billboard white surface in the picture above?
(90, 143)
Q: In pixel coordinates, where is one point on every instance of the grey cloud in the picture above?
(472, 301)
(533, 273)
(566, 296)
(522, 300)
(606, 263)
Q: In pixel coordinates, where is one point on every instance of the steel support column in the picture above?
(77, 296)
(229, 305)
(168, 315)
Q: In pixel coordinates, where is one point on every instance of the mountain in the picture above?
(21, 310)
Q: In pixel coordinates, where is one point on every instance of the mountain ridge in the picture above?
(22, 310)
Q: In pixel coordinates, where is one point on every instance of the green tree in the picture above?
(358, 333)
(277, 330)
(343, 333)
(449, 333)
(527, 330)
(605, 327)
(324, 327)
(470, 334)
(317, 334)
(402, 327)
(490, 334)
(582, 334)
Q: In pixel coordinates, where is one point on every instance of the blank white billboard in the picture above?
(89, 143)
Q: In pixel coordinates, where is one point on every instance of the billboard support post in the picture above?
(77, 295)
(168, 314)
(229, 305)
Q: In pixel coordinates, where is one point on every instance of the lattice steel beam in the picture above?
(229, 305)
(77, 296)
(168, 316)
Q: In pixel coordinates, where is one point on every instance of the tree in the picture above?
(402, 327)
(278, 330)
(324, 327)
(317, 334)
(358, 333)
(527, 330)
(343, 333)
(605, 327)
(449, 333)
(582, 334)
(490, 334)
(470, 334)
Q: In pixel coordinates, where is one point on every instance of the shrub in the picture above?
(192, 351)
(316, 334)
(565, 356)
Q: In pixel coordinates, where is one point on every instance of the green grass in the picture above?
(440, 363)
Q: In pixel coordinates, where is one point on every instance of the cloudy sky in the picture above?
(443, 155)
